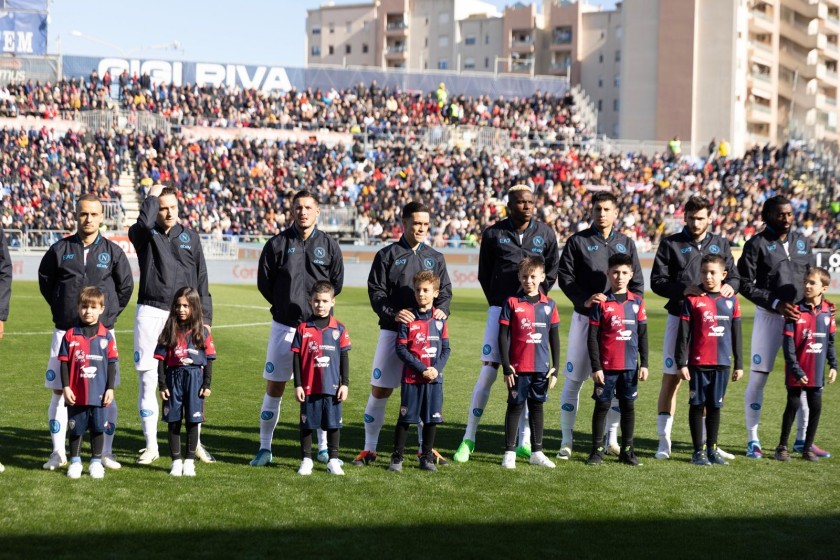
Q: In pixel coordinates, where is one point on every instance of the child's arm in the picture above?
(164, 391)
(300, 394)
(593, 348)
(832, 359)
(344, 372)
(737, 353)
(789, 351)
(69, 395)
(404, 354)
(504, 351)
(643, 351)
(554, 346)
(440, 362)
(207, 379)
(681, 350)
(108, 397)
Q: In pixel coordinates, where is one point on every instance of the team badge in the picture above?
(477, 412)
(320, 252)
(377, 373)
(755, 406)
(439, 325)
(800, 245)
(547, 309)
(514, 394)
(827, 320)
(104, 258)
(669, 362)
(428, 264)
(50, 375)
(103, 344)
(368, 418)
(136, 357)
(771, 247)
(266, 415)
(621, 248)
(184, 237)
(539, 241)
(635, 308)
(756, 359)
(691, 394)
(729, 304)
(714, 249)
(569, 367)
(71, 424)
(403, 410)
(303, 418)
(269, 367)
(568, 407)
(335, 334)
(599, 391)
(486, 350)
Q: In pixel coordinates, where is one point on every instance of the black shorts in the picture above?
(707, 387)
(421, 402)
(83, 418)
(532, 387)
(184, 383)
(320, 411)
(621, 383)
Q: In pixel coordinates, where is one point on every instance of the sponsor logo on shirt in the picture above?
(717, 331)
(624, 335)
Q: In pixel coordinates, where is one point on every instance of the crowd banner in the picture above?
(23, 33)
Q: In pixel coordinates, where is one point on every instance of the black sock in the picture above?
(75, 446)
(791, 408)
(712, 426)
(332, 442)
(628, 422)
(97, 443)
(695, 423)
(814, 412)
(536, 421)
(192, 439)
(305, 443)
(400, 435)
(429, 431)
(514, 411)
(175, 440)
(599, 419)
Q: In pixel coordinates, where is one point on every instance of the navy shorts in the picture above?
(529, 387)
(623, 383)
(707, 387)
(83, 418)
(184, 383)
(320, 411)
(421, 402)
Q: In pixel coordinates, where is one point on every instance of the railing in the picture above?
(396, 26)
(34, 240)
(395, 49)
(224, 248)
(113, 214)
(762, 77)
(141, 121)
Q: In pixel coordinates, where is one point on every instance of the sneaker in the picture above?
(613, 449)
(2, 468)
(262, 458)
(203, 455)
(822, 453)
(177, 468)
(509, 460)
(715, 457)
(148, 456)
(523, 452)
(810, 456)
(539, 459)
(364, 458)
(305, 467)
(396, 462)
(75, 470)
(334, 467)
(462, 454)
(109, 462)
(427, 463)
(782, 453)
(663, 454)
(56, 461)
(439, 460)
(799, 445)
(189, 467)
(627, 456)
(726, 454)
(754, 450)
(96, 469)
(596, 458)
(700, 459)
(565, 453)
(324, 457)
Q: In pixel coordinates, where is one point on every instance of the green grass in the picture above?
(670, 508)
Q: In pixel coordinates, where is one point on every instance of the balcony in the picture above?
(799, 33)
(762, 21)
(396, 51)
(396, 28)
(757, 112)
(831, 50)
(559, 69)
(522, 45)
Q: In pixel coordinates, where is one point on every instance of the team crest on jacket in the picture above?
(714, 249)
(184, 237)
(827, 320)
(539, 241)
(428, 263)
(104, 258)
(621, 248)
(320, 252)
(547, 309)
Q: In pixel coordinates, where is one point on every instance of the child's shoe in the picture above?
(715, 457)
(782, 453)
(396, 462)
(509, 460)
(177, 468)
(427, 463)
(75, 469)
(596, 458)
(189, 467)
(539, 459)
(305, 467)
(700, 458)
(627, 456)
(96, 469)
(334, 467)
(754, 449)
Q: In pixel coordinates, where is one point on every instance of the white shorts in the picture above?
(148, 324)
(387, 367)
(52, 379)
(767, 334)
(669, 345)
(490, 348)
(578, 365)
(278, 355)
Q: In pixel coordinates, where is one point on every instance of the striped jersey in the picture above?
(185, 353)
(529, 325)
(618, 331)
(710, 331)
(87, 360)
(809, 344)
(320, 355)
(423, 343)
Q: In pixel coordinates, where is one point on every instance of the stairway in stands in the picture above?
(130, 194)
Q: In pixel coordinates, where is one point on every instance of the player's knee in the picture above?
(58, 392)
(380, 392)
(494, 365)
(275, 388)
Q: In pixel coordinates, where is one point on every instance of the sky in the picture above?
(257, 32)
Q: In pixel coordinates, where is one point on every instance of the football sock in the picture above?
(712, 426)
(428, 439)
(108, 440)
(536, 421)
(420, 435)
(792, 404)
(480, 396)
(332, 437)
(599, 415)
(269, 417)
(695, 423)
(400, 435)
(75, 446)
(815, 410)
(97, 442)
(753, 399)
(147, 403)
(664, 423)
(514, 411)
(613, 420)
(374, 419)
(58, 423)
(627, 418)
(305, 443)
(322, 439)
(568, 410)
(192, 439)
(525, 426)
(175, 440)
(802, 417)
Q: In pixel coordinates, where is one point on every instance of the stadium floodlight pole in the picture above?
(77, 33)
(173, 45)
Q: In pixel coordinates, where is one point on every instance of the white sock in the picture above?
(664, 423)
(420, 436)
(147, 403)
(322, 440)
(568, 410)
(108, 441)
(802, 417)
(704, 428)
(198, 435)
(374, 419)
(753, 399)
(58, 423)
(269, 417)
(524, 428)
(480, 396)
(613, 420)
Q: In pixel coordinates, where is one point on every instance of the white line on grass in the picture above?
(125, 331)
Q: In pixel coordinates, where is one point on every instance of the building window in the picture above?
(617, 80)
(443, 18)
(469, 63)
(315, 51)
(426, 42)
(486, 38)
(349, 27)
(332, 28)
(366, 26)
(487, 62)
(316, 30)
(562, 35)
(331, 50)
(443, 41)
(469, 40)
(600, 81)
(364, 48)
(600, 104)
(347, 49)
(443, 64)
(618, 56)
(615, 105)
(600, 58)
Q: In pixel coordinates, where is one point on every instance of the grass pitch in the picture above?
(665, 508)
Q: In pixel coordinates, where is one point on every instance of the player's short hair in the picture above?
(89, 295)
(713, 258)
(519, 188)
(695, 203)
(414, 207)
(619, 259)
(89, 197)
(305, 194)
(168, 191)
(424, 276)
(322, 287)
(530, 264)
(771, 204)
(821, 273)
(604, 196)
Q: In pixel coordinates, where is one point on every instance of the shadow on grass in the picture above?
(652, 538)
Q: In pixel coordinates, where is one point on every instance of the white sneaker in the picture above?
(109, 462)
(663, 454)
(56, 461)
(565, 453)
(75, 470)
(177, 468)
(613, 449)
(538, 458)
(189, 467)
(305, 467)
(148, 456)
(203, 455)
(2, 468)
(334, 467)
(96, 469)
(509, 460)
(726, 455)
